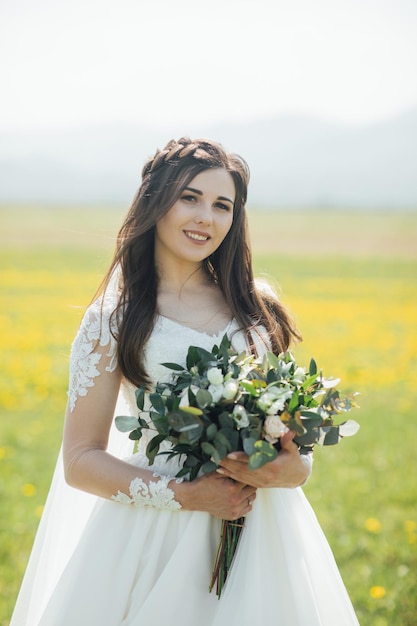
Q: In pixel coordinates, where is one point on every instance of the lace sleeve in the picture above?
(95, 330)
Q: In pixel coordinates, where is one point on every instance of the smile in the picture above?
(196, 236)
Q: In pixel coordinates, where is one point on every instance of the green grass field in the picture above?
(350, 280)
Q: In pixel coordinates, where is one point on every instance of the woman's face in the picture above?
(200, 219)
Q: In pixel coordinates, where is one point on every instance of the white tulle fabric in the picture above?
(98, 562)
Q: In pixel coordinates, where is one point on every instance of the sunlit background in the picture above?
(320, 97)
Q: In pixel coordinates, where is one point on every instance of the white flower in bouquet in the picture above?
(273, 401)
(215, 376)
(299, 375)
(273, 428)
(240, 415)
(230, 389)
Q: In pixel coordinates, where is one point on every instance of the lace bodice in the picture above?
(168, 342)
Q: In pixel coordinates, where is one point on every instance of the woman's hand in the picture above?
(287, 470)
(220, 496)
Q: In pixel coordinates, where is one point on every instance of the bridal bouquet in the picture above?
(224, 401)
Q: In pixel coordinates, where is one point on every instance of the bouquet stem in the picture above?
(229, 539)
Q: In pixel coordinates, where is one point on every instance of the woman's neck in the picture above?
(193, 300)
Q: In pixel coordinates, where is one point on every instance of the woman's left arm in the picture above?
(288, 470)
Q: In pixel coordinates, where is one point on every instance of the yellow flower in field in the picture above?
(2, 453)
(28, 490)
(377, 592)
(373, 525)
(410, 526)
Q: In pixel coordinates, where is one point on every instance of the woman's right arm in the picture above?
(94, 388)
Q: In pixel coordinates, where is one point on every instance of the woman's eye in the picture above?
(223, 207)
(188, 198)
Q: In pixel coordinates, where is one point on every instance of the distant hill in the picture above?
(295, 161)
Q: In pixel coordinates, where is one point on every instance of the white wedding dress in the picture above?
(97, 562)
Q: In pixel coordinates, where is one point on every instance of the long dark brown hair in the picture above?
(164, 176)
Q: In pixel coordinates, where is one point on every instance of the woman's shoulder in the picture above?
(100, 319)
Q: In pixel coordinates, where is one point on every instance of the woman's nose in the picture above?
(204, 214)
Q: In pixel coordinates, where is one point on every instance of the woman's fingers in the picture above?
(221, 496)
(287, 470)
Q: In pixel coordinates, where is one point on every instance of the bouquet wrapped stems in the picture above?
(229, 539)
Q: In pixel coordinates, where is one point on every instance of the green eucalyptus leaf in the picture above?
(173, 366)
(221, 439)
(135, 435)
(143, 423)
(332, 436)
(211, 431)
(310, 416)
(184, 471)
(232, 436)
(140, 398)
(249, 445)
(152, 448)
(309, 437)
(203, 398)
(191, 461)
(210, 451)
(161, 424)
(221, 449)
(208, 467)
(126, 423)
(157, 403)
(182, 420)
(225, 420)
(264, 453)
(312, 370)
(296, 424)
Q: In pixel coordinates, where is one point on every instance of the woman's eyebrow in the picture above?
(200, 193)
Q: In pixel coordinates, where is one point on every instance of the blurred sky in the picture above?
(168, 62)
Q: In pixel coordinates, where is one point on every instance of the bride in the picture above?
(125, 543)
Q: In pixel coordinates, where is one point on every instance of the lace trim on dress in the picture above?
(95, 330)
(157, 494)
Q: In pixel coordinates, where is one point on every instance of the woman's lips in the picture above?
(196, 236)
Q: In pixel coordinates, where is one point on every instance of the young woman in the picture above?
(138, 547)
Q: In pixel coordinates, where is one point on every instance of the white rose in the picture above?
(274, 428)
(214, 375)
(230, 389)
(240, 416)
(216, 392)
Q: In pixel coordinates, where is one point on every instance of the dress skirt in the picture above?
(137, 566)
